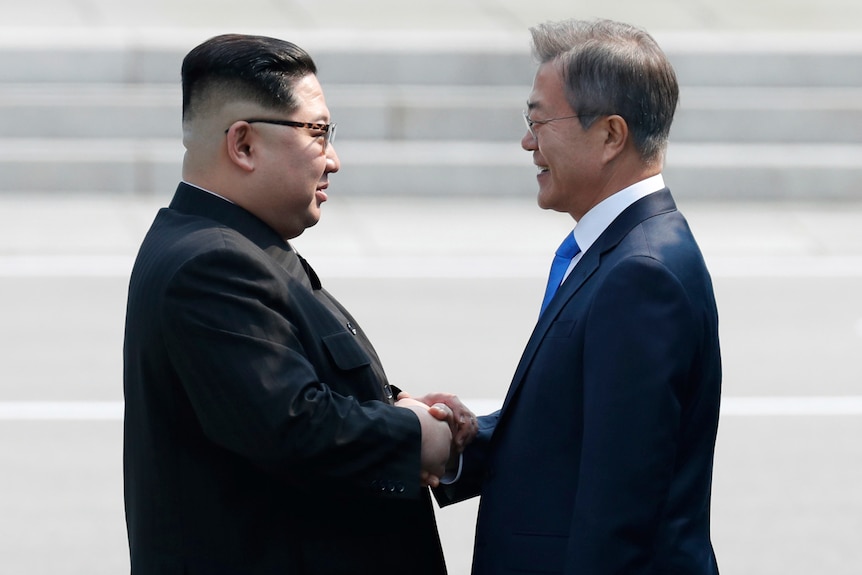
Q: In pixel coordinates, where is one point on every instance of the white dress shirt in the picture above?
(602, 215)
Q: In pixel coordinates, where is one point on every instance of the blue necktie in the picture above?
(567, 250)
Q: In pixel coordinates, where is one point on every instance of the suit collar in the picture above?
(652, 205)
(192, 200)
(196, 201)
(599, 217)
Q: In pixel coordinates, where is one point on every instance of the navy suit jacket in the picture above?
(259, 432)
(600, 460)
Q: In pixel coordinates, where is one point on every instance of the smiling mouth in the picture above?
(320, 193)
(542, 169)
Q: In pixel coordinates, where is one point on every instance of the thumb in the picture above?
(441, 411)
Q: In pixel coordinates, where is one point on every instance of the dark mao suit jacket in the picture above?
(259, 435)
(600, 460)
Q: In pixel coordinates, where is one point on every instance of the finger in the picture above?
(466, 433)
(409, 402)
(442, 412)
(403, 395)
(461, 441)
(431, 479)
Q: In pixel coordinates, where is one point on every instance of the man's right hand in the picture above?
(436, 440)
(449, 407)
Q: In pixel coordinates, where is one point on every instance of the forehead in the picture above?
(547, 93)
(310, 99)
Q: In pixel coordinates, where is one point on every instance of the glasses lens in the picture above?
(330, 133)
(529, 124)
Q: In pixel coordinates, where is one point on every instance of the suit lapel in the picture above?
(641, 210)
(583, 270)
(295, 265)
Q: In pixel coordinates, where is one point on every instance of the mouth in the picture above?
(542, 169)
(320, 192)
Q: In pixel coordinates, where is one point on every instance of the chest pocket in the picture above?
(345, 351)
(561, 328)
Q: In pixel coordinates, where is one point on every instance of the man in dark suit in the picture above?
(600, 460)
(261, 434)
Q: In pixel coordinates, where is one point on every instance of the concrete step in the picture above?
(410, 112)
(790, 115)
(462, 167)
(760, 116)
(700, 59)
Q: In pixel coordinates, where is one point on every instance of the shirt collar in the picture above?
(207, 191)
(597, 220)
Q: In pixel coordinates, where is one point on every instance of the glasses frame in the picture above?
(531, 122)
(327, 129)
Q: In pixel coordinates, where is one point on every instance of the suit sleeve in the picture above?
(473, 464)
(641, 336)
(226, 317)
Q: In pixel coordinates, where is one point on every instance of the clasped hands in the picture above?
(447, 428)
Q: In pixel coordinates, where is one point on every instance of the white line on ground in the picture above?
(750, 406)
(61, 410)
(439, 266)
(796, 405)
(730, 407)
(73, 265)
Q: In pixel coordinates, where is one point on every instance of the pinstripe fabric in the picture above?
(258, 433)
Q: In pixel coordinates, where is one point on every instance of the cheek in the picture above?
(556, 150)
(315, 166)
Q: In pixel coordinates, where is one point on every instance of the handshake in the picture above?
(447, 428)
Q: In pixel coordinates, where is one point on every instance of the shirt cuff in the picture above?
(454, 475)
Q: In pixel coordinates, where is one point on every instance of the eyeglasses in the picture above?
(531, 122)
(327, 129)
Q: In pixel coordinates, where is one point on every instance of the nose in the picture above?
(333, 164)
(529, 141)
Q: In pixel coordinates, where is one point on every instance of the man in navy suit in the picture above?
(261, 433)
(600, 460)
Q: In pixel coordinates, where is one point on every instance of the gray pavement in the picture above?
(461, 278)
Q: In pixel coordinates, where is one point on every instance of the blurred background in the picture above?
(432, 237)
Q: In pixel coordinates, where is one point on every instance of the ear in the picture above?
(239, 141)
(616, 137)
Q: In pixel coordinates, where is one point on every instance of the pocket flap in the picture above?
(345, 351)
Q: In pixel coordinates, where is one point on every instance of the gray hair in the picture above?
(613, 68)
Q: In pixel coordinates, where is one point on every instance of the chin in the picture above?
(548, 200)
(313, 217)
(544, 201)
